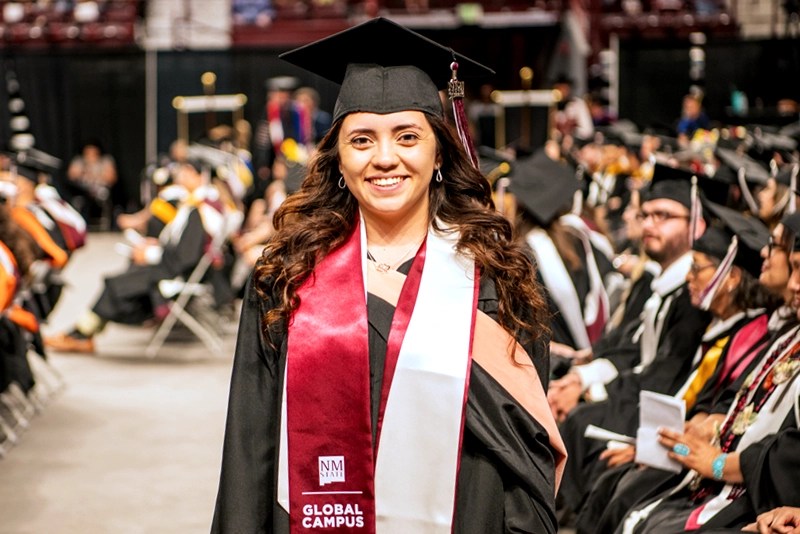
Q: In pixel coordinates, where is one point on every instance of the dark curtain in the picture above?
(71, 98)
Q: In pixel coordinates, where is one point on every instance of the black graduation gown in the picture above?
(619, 489)
(771, 469)
(506, 477)
(681, 334)
(131, 297)
(560, 331)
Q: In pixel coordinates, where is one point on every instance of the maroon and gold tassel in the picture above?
(455, 90)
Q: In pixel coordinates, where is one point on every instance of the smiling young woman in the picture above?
(391, 363)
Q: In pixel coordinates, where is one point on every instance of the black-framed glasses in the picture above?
(658, 216)
(695, 269)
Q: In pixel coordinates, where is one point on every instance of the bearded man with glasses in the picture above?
(655, 355)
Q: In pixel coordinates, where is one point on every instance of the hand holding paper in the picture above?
(657, 411)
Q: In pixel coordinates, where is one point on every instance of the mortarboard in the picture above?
(784, 175)
(384, 68)
(31, 162)
(751, 233)
(673, 183)
(543, 187)
(746, 170)
(754, 172)
(493, 163)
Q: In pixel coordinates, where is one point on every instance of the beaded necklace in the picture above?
(746, 408)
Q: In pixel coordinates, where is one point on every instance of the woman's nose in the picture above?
(385, 155)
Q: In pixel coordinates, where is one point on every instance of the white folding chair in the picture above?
(202, 321)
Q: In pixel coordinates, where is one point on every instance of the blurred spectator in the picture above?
(693, 118)
(572, 116)
(258, 12)
(91, 175)
(315, 122)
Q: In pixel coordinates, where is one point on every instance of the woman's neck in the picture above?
(395, 233)
(727, 311)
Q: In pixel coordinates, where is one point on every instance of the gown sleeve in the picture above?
(246, 497)
(507, 473)
(771, 468)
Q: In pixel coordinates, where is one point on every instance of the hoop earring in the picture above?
(439, 177)
(342, 185)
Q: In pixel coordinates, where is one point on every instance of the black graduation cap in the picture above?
(752, 234)
(384, 68)
(295, 174)
(754, 172)
(493, 163)
(32, 161)
(673, 183)
(543, 187)
(784, 175)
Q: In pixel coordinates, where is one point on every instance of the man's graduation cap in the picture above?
(752, 235)
(384, 68)
(543, 187)
(673, 183)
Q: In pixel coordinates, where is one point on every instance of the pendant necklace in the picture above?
(383, 267)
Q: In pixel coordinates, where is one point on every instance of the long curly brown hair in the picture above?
(319, 217)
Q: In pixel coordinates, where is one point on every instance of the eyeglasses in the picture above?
(658, 216)
(695, 269)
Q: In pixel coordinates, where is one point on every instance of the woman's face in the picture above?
(700, 274)
(387, 162)
(775, 268)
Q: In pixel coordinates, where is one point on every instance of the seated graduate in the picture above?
(133, 296)
(566, 260)
(751, 465)
(723, 280)
(353, 375)
(663, 347)
(161, 208)
(665, 216)
(55, 237)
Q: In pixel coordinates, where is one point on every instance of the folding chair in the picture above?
(202, 320)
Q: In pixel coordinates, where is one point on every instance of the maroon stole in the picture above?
(331, 459)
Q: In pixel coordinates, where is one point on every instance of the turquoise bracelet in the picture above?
(718, 466)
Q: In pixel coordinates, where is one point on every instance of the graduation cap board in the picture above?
(735, 240)
(672, 183)
(493, 164)
(384, 68)
(747, 170)
(751, 233)
(753, 171)
(543, 187)
(29, 163)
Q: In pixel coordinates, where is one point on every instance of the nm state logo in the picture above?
(331, 469)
